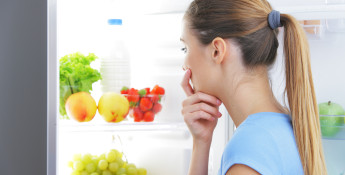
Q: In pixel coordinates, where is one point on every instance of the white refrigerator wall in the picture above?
(327, 62)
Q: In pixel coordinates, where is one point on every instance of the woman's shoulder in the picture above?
(255, 148)
(257, 141)
(261, 132)
(251, 138)
(264, 126)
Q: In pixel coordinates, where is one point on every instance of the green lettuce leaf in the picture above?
(76, 75)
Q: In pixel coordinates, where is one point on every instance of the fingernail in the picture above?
(219, 114)
(219, 102)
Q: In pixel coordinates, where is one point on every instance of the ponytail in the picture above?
(301, 97)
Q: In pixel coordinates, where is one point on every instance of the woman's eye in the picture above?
(184, 49)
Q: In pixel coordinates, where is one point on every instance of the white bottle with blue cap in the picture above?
(115, 63)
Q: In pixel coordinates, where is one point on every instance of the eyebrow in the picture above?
(181, 40)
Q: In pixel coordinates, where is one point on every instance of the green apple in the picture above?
(330, 124)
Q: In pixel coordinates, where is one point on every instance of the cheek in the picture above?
(193, 62)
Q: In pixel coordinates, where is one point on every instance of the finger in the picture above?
(201, 97)
(202, 107)
(199, 115)
(185, 83)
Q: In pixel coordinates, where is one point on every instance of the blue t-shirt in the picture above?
(266, 143)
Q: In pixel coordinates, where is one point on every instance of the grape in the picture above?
(84, 173)
(90, 167)
(121, 171)
(113, 166)
(99, 171)
(118, 154)
(109, 163)
(132, 171)
(142, 171)
(70, 164)
(102, 157)
(124, 165)
(95, 160)
(78, 165)
(86, 158)
(130, 165)
(103, 164)
(110, 156)
(106, 172)
(119, 161)
(76, 157)
(75, 173)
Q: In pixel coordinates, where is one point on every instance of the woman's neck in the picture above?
(250, 96)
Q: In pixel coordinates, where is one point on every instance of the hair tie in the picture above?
(274, 19)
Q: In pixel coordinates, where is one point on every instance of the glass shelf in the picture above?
(332, 127)
(124, 126)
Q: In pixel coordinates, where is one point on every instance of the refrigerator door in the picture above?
(23, 87)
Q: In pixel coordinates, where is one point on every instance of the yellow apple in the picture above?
(113, 107)
(81, 107)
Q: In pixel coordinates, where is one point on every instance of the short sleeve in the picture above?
(253, 147)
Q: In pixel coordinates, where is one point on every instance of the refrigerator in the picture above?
(150, 33)
(35, 35)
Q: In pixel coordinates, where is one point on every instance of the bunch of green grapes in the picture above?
(110, 163)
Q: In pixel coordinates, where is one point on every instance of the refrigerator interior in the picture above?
(154, 49)
(153, 30)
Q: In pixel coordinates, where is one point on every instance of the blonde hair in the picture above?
(245, 21)
(301, 97)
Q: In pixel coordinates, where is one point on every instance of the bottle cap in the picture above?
(115, 21)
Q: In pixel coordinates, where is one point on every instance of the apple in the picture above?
(81, 107)
(330, 124)
(113, 107)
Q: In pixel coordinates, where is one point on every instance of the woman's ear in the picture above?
(219, 49)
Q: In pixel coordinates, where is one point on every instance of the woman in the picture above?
(229, 46)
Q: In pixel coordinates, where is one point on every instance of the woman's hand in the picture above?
(200, 111)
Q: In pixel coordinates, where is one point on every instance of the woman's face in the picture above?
(197, 60)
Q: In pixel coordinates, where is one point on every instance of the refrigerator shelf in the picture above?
(124, 126)
(310, 12)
